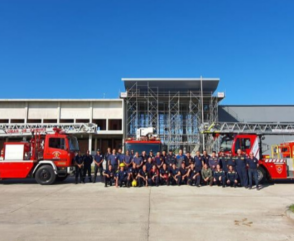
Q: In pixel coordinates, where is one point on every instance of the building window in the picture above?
(34, 121)
(115, 124)
(17, 120)
(4, 121)
(101, 123)
(67, 121)
(50, 121)
(82, 120)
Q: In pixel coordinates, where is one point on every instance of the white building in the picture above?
(106, 113)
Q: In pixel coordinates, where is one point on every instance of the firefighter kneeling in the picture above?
(219, 177)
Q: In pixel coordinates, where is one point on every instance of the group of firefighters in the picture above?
(132, 169)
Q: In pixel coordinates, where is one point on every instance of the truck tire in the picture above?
(61, 179)
(262, 175)
(45, 175)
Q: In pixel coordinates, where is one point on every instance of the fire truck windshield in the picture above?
(73, 143)
(226, 143)
(139, 147)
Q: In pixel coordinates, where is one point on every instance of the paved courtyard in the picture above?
(89, 211)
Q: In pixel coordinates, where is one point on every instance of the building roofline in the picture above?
(169, 79)
(269, 105)
(60, 100)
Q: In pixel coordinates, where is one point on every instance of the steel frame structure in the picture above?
(176, 116)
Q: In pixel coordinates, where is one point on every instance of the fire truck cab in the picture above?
(248, 137)
(45, 157)
(145, 141)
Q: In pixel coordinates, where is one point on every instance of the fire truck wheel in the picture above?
(45, 175)
(61, 179)
(262, 177)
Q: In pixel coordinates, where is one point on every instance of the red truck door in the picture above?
(247, 144)
(56, 149)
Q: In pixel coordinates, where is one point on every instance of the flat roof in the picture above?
(173, 84)
(58, 100)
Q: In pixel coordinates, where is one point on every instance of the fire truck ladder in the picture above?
(271, 128)
(10, 130)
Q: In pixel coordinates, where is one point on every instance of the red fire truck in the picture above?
(145, 141)
(248, 137)
(47, 157)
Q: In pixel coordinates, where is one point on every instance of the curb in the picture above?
(290, 214)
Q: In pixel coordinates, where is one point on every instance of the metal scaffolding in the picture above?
(176, 115)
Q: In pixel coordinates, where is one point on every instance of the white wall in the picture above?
(44, 109)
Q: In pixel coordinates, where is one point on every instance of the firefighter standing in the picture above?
(180, 158)
(88, 159)
(106, 156)
(241, 169)
(213, 161)
(223, 161)
(98, 160)
(79, 162)
(170, 160)
(252, 163)
(112, 160)
(205, 157)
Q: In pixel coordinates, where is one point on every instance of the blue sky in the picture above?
(82, 49)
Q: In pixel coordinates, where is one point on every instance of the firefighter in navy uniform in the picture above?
(144, 157)
(158, 161)
(151, 155)
(122, 176)
(98, 160)
(79, 162)
(109, 176)
(108, 153)
(135, 171)
(88, 159)
(138, 160)
(170, 160)
(164, 175)
(184, 173)
(175, 177)
(213, 161)
(232, 177)
(153, 179)
(241, 169)
(252, 164)
(219, 176)
(223, 161)
(198, 161)
(231, 161)
(205, 158)
(128, 161)
(164, 156)
(142, 177)
(149, 164)
(194, 176)
(189, 160)
(120, 156)
(113, 161)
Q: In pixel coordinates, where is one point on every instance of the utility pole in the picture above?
(202, 111)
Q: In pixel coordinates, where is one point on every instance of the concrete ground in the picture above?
(89, 211)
